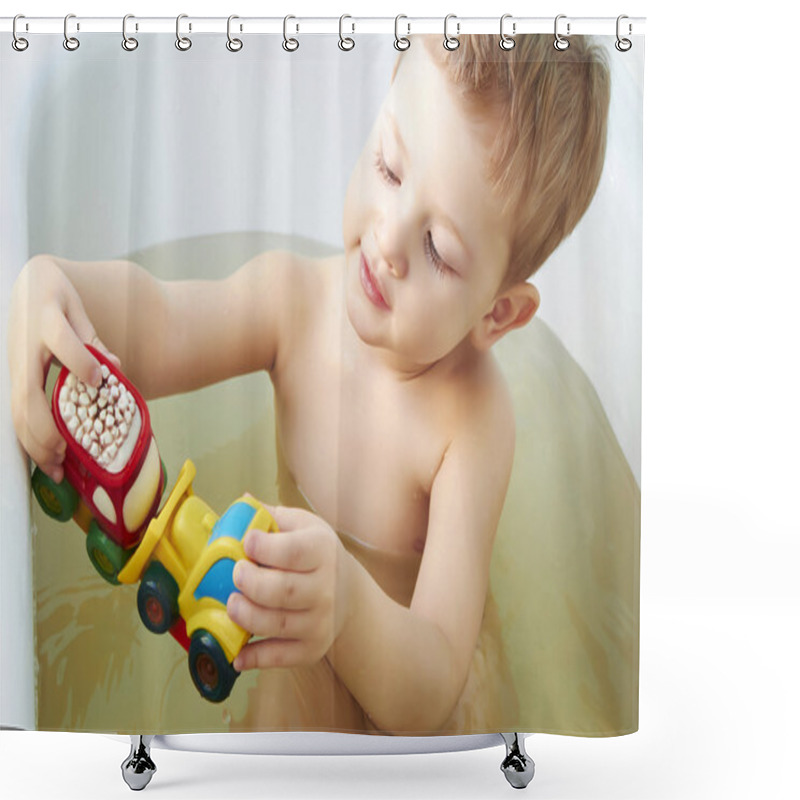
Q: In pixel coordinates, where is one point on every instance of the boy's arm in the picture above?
(407, 666)
(170, 336)
(173, 336)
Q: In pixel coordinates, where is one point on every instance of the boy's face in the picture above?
(425, 241)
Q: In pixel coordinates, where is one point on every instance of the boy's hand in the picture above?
(295, 591)
(46, 320)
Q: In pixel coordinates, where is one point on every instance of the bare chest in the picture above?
(363, 451)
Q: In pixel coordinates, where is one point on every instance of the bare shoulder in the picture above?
(482, 413)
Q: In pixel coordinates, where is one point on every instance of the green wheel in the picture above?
(211, 672)
(58, 500)
(107, 557)
(157, 599)
(166, 479)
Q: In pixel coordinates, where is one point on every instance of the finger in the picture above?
(81, 324)
(277, 653)
(65, 344)
(290, 519)
(272, 622)
(37, 432)
(274, 588)
(293, 551)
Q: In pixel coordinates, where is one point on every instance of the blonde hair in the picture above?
(551, 109)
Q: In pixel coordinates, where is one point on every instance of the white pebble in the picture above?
(72, 424)
(106, 438)
(98, 427)
(83, 399)
(105, 370)
(94, 450)
(69, 410)
(86, 442)
(82, 412)
(113, 380)
(73, 396)
(92, 392)
(114, 393)
(111, 451)
(123, 429)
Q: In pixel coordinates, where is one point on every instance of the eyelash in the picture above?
(439, 264)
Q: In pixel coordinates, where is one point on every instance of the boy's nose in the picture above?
(392, 245)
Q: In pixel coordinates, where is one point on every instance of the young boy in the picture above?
(393, 419)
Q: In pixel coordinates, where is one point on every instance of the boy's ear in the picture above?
(512, 308)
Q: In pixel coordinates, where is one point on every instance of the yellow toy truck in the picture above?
(185, 564)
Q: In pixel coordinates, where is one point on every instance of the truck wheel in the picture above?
(211, 672)
(58, 500)
(157, 598)
(107, 557)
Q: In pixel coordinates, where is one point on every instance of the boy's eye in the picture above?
(383, 169)
(439, 264)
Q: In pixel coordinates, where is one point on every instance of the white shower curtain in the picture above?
(191, 164)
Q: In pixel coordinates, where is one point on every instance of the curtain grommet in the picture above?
(451, 42)
(507, 42)
(71, 43)
(129, 43)
(183, 43)
(19, 43)
(289, 44)
(401, 43)
(560, 43)
(234, 45)
(346, 43)
(622, 44)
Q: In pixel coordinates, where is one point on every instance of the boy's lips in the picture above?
(371, 286)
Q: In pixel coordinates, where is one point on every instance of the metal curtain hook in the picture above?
(346, 43)
(560, 42)
(234, 45)
(128, 42)
(182, 42)
(451, 42)
(70, 42)
(18, 43)
(507, 42)
(623, 45)
(401, 42)
(290, 45)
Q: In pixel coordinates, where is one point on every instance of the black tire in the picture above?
(211, 672)
(157, 599)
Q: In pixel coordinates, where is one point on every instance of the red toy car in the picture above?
(113, 474)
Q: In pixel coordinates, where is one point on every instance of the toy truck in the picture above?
(185, 564)
(113, 475)
(183, 555)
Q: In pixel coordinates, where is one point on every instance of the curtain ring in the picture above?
(346, 43)
(401, 42)
(70, 42)
(290, 45)
(451, 42)
(507, 42)
(183, 43)
(623, 45)
(128, 42)
(560, 42)
(234, 45)
(18, 43)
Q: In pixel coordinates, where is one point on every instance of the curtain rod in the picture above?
(631, 26)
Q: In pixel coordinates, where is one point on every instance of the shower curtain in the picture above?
(347, 419)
